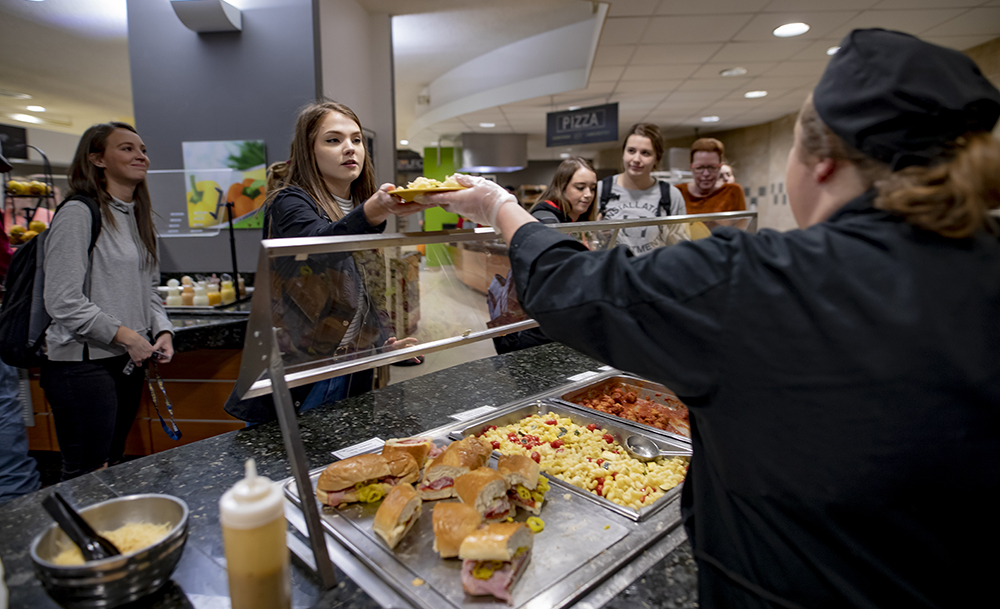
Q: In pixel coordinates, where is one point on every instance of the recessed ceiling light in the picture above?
(487, 125)
(14, 94)
(563, 155)
(733, 72)
(791, 29)
(832, 50)
(404, 142)
(574, 108)
(35, 108)
(710, 119)
(26, 118)
(754, 94)
(434, 143)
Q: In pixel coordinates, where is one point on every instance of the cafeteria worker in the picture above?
(843, 380)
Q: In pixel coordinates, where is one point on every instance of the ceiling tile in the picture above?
(613, 55)
(709, 7)
(647, 86)
(783, 83)
(712, 70)
(663, 54)
(700, 28)
(623, 30)
(658, 72)
(976, 22)
(794, 6)
(911, 22)
(919, 4)
(606, 73)
(761, 27)
(816, 51)
(629, 8)
(798, 68)
(747, 52)
(959, 43)
(716, 84)
(704, 97)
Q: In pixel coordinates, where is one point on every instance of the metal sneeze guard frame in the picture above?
(262, 370)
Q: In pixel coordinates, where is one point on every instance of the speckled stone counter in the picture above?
(208, 332)
(199, 473)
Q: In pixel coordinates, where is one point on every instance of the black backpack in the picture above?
(607, 195)
(23, 318)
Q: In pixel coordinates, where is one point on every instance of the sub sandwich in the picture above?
(364, 478)
(527, 485)
(453, 522)
(494, 557)
(485, 490)
(459, 458)
(397, 514)
(418, 448)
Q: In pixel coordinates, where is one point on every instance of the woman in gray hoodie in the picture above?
(106, 312)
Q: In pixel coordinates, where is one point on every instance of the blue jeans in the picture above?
(326, 392)
(18, 474)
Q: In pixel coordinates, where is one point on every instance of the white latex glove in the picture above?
(480, 202)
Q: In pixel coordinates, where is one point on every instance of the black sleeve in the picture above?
(293, 214)
(660, 315)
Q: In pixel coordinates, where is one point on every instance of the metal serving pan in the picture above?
(619, 429)
(647, 390)
(586, 540)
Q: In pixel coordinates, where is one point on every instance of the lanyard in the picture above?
(173, 432)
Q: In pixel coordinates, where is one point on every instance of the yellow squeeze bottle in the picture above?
(228, 293)
(253, 531)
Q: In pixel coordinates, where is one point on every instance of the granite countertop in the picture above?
(200, 472)
(217, 331)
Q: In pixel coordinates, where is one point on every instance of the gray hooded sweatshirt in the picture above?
(119, 289)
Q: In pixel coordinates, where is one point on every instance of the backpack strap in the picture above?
(606, 185)
(95, 217)
(664, 198)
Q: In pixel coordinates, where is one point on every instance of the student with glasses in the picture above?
(707, 194)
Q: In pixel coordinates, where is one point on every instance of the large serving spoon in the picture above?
(644, 449)
(92, 545)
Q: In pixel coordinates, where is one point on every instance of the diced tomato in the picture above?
(600, 461)
(592, 427)
(496, 445)
(537, 457)
(550, 422)
(491, 427)
(556, 443)
(600, 480)
(589, 460)
(608, 438)
(613, 474)
(642, 499)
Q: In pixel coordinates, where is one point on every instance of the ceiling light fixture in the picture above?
(26, 118)
(754, 94)
(832, 50)
(791, 29)
(563, 155)
(487, 125)
(571, 108)
(738, 71)
(404, 142)
(710, 119)
(35, 108)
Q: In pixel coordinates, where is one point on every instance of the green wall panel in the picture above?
(436, 218)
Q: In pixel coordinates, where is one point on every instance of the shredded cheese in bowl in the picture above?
(130, 538)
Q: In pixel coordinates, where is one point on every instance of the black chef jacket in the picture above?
(844, 391)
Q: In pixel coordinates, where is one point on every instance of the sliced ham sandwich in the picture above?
(364, 478)
(453, 522)
(397, 514)
(527, 485)
(459, 458)
(485, 490)
(494, 557)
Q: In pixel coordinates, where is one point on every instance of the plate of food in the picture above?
(424, 185)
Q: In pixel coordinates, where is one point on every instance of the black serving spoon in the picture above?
(92, 545)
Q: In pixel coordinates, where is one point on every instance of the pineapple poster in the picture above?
(224, 171)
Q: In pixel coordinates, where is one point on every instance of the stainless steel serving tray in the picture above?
(647, 390)
(619, 429)
(586, 539)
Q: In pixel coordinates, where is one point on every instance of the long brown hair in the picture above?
(301, 169)
(952, 197)
(85, 178)
(647, 130)
(564, 175)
